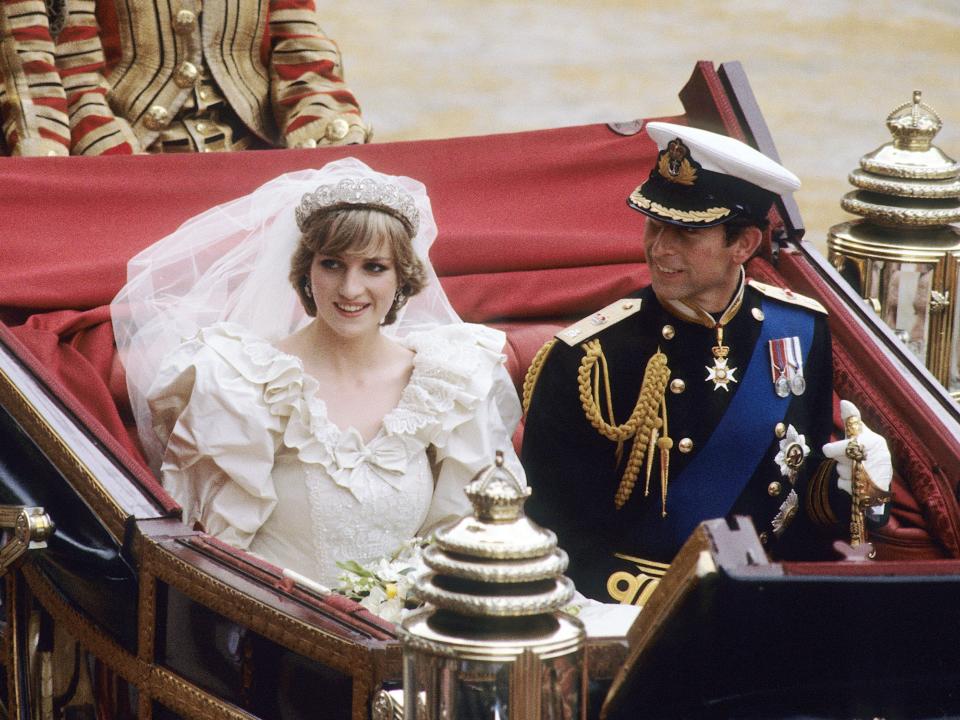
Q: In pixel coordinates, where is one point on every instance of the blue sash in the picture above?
(710, 485)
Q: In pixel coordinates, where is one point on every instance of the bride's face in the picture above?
(354, 291)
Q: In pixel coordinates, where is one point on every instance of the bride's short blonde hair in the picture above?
(347, 229)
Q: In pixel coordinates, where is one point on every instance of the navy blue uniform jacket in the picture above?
(574, 473)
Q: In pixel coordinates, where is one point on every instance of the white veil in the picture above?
(231, 263)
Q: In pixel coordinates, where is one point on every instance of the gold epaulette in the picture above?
(787, 296)
(584, 329)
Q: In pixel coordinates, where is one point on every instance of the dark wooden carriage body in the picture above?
(534, 231)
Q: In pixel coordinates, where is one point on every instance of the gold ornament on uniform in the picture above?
(720, 374)
(708, 215)
(634, 587)
(647, 424)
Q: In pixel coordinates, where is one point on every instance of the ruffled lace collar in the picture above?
(452, 372)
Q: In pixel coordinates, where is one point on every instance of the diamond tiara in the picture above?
(359, 192)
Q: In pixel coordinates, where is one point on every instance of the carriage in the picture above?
(141, 616)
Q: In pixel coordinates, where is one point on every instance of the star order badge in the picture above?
(720, 374)
(786, 513)
(793, 453)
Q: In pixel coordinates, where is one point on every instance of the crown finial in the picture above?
(496, 494)
(913, 124)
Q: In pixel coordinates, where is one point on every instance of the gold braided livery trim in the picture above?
(643, 421)
(533, 372)
(708, 215)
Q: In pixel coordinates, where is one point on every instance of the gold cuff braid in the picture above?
(817, 496)
(643, 421)
(533, 372)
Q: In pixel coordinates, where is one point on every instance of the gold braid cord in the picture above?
(643, 421)
(817, 496)
(533, 372)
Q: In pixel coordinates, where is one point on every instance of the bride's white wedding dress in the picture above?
(251, 454)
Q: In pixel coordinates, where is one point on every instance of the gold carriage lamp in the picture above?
(903, 256)
(491, 642)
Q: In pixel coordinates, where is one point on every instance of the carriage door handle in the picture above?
(31, 528)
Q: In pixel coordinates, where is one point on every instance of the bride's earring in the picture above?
(399, 299)
(307, 290)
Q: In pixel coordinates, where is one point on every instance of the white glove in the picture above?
(876, 460)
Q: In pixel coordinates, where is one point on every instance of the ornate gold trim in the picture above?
(301, 637)
(708, 215)
(53, 445)
(363, 663)
(899, 216)
(186, 698)
(146, 617)
(12, 649)
(913, 172)
(904, 187)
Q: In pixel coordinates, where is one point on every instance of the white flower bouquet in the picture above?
(384, 586)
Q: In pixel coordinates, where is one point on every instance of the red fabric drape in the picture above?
(505, 203)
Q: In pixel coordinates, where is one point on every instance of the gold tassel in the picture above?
(650, 454)
(642, 421)
(665, 444)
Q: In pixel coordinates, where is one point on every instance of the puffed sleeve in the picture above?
(480, 416)
(218, 407)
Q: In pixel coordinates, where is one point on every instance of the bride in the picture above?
(300, 381)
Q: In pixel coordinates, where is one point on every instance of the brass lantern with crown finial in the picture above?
(491, 641)
(903, 256)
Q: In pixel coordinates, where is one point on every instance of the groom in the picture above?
(706, 395)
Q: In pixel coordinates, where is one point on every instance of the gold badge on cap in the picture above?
(674, 163)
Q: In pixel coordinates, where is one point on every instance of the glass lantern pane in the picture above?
(445, 688)
(560, 684)
(904, 292)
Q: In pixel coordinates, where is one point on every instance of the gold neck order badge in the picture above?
(720, 374)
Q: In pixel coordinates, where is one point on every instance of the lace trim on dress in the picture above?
(453, 372)
(318, 518)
